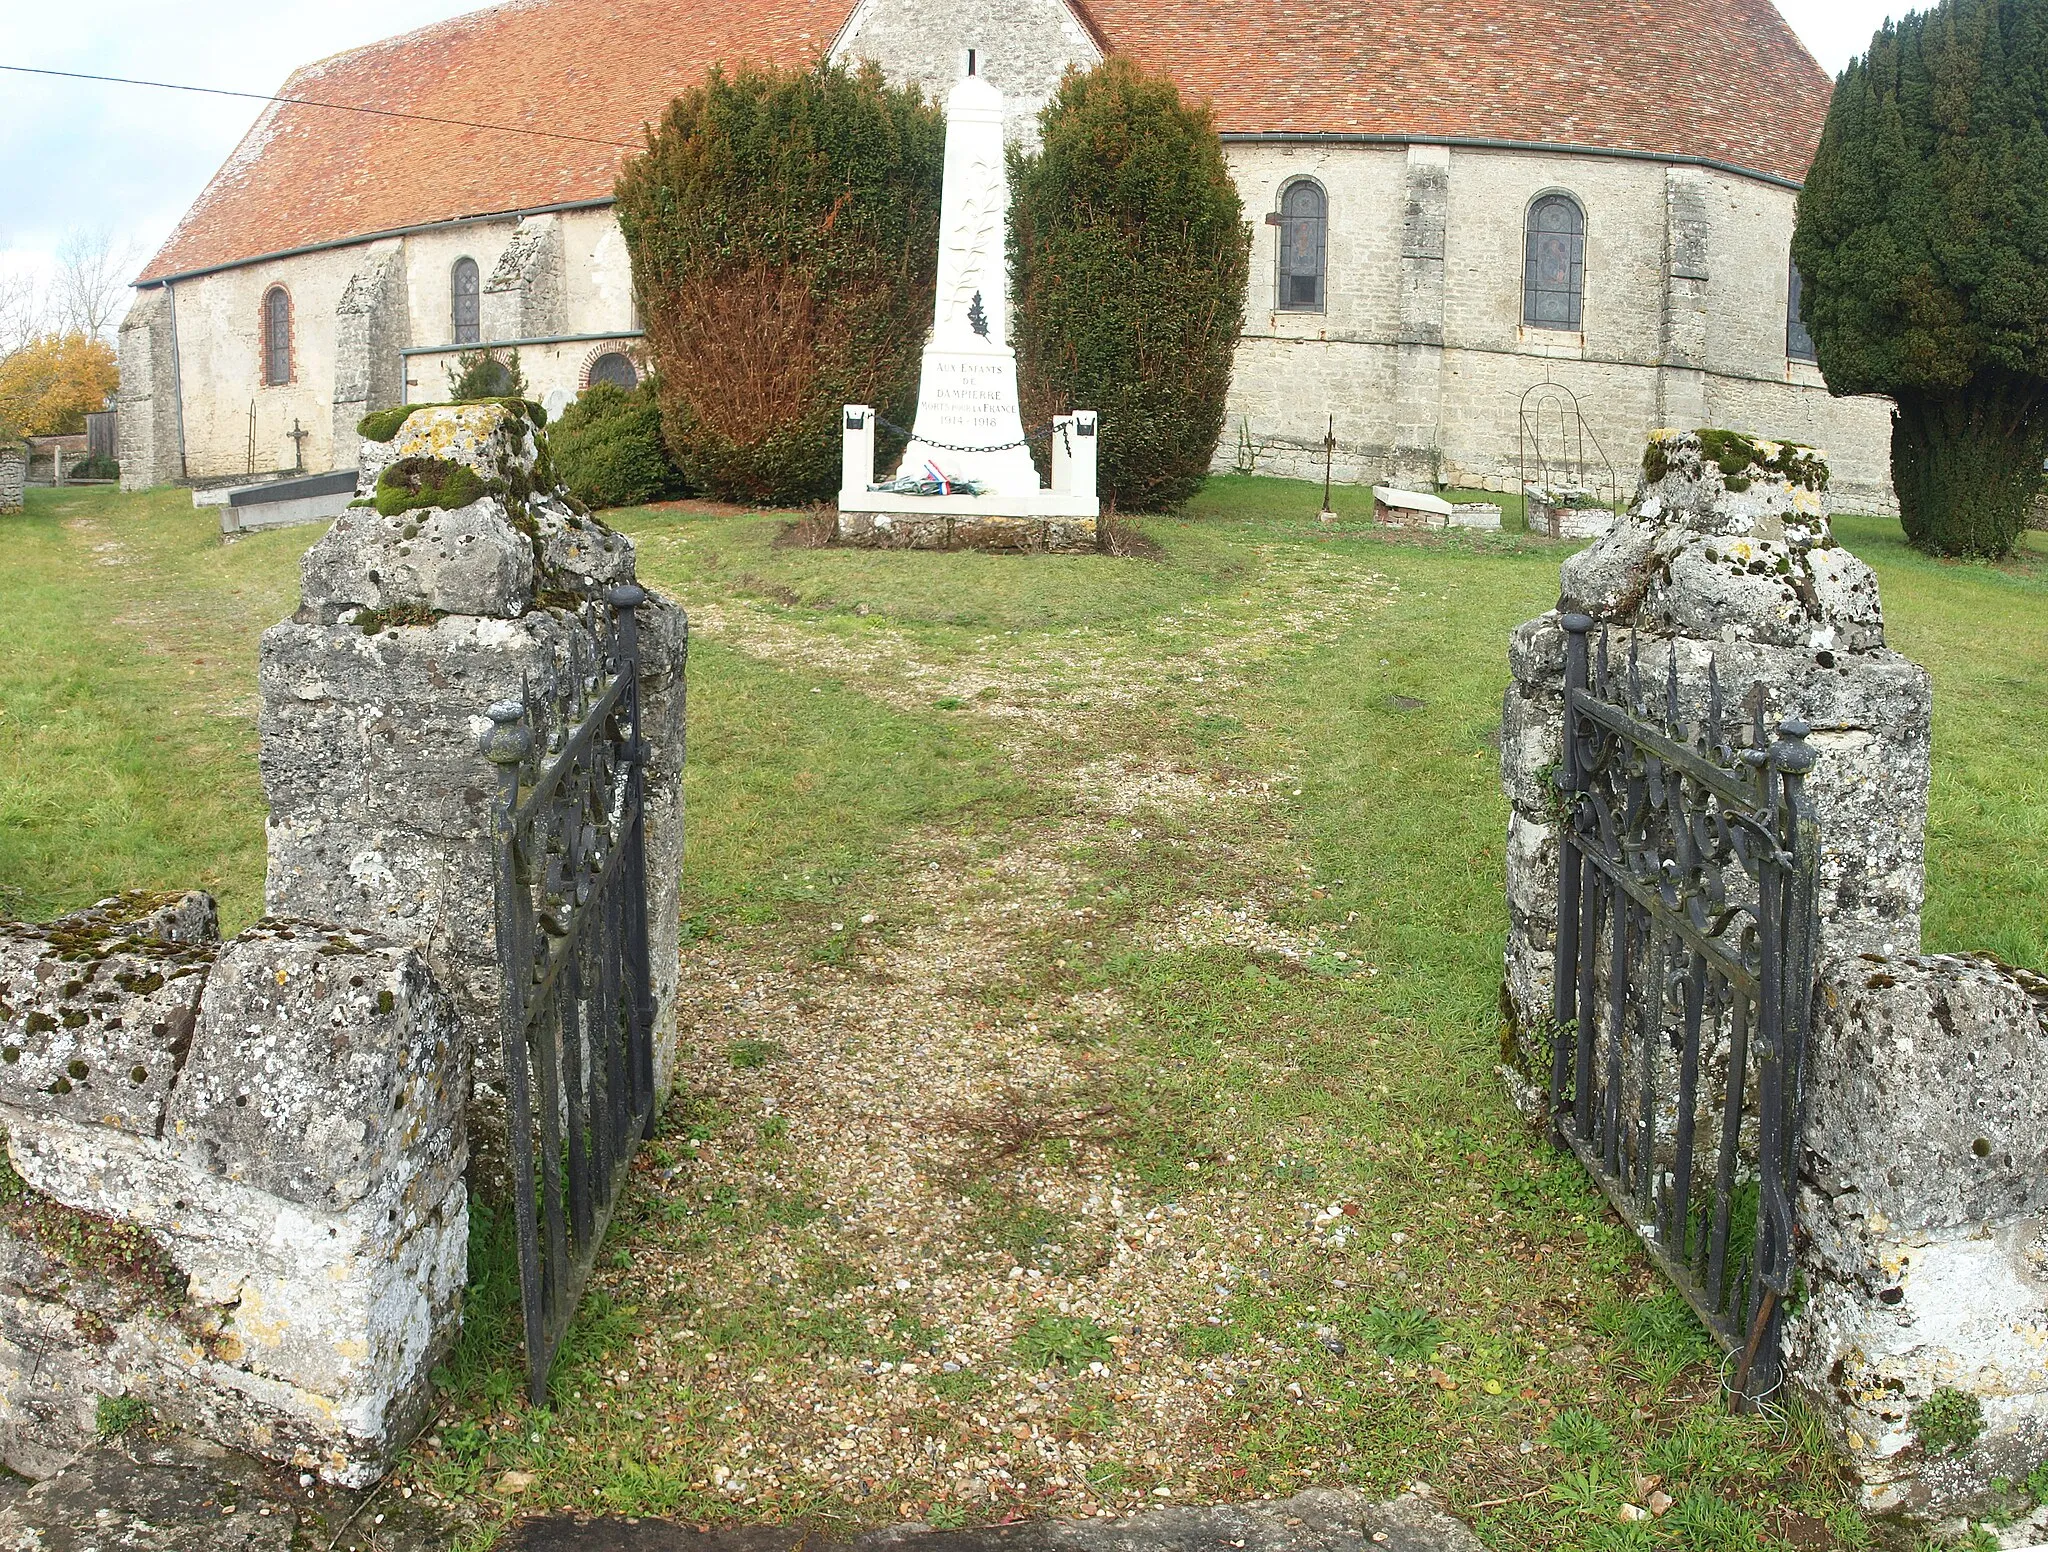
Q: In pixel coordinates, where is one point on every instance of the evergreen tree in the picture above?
(1129, 250)
(1923, 242)
(784, 229)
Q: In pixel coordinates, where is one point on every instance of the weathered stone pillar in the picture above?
(1725, 558)
(1919, 1323)
(526, 294)
(375, 692)
(148, 396)
(371, 326)
(1419, 348)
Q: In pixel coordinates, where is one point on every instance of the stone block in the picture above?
(13, 478)
(1924, 1202)
(97, 1009)
(307, 1192)
(1926, 1110)
(470, 560)
(180, 1502)
(326, 1066)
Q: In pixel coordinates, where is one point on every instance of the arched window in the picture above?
(1554, 264)
(1304, 224)
(277, 336)
(1798, 343)
(465, 303)
(615, 366)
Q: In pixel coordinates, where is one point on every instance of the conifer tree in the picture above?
(1922, 240)
(783, 228)
(1129, 250)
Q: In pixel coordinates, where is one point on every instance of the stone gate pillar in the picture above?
(375, 695)
(1918, 1326)
(1725, 558)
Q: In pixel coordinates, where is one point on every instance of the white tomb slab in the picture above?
(969, 426)
(1412, 501)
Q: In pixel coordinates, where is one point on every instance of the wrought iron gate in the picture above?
(1687, 915)
(576, 1005)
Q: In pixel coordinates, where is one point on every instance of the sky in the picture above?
(75, 154)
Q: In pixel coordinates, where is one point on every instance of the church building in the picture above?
(1494, 242)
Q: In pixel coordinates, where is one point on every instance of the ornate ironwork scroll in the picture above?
(1688, 867)
(577, 1006)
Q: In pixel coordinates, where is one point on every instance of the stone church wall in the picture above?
(1684, 317)
(220, 354)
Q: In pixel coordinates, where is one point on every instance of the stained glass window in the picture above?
(1798, 343)
(1554, 264)
(277, 336)
(1303, 227)
(466, 304)
(615, 366)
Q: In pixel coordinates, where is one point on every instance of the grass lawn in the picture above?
(1090, 1009)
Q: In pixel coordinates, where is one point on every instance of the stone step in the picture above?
(1315, 1520)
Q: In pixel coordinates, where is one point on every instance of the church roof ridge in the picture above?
(1720, 82)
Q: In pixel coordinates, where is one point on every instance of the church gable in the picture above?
(1023, 47)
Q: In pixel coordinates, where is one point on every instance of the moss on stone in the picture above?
(121, 1254)
(413, 484)
(1947, 1421)
(383, 425)
(1740, 458)
(371, 621)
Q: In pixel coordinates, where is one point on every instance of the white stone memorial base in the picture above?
(1064, 517)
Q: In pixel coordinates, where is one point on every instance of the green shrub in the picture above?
(1922, 238)
(608, 449)
(1129, 252)
(784, 231)
(483, 374)
(94, 469)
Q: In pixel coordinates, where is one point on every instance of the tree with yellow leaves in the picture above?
(49, 385)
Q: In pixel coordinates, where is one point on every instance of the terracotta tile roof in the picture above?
(1726, 80)
(1720, 79)
(600, 68)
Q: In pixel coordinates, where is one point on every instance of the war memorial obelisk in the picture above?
(969, 431)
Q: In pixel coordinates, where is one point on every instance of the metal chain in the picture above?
(954, 447)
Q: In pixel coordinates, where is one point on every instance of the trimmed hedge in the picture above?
(784, 230)
(1129, 251)
(608, 447)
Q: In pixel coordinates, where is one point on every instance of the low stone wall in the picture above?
(1923, 1335)
(13, 478)
(240, 1194)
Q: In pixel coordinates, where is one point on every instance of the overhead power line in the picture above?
(309, 102)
